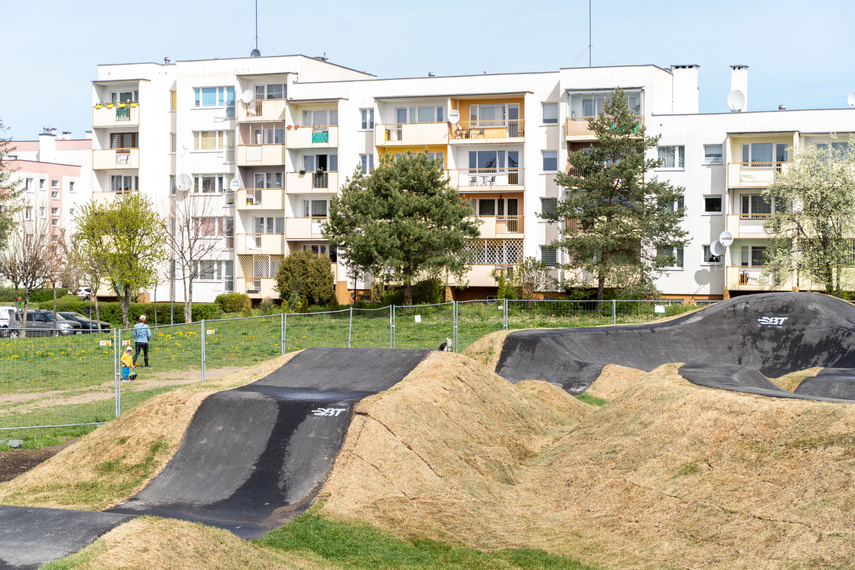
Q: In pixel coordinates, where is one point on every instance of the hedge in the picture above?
(111, 313)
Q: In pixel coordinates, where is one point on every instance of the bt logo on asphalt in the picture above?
(328, 412)
(772, 321)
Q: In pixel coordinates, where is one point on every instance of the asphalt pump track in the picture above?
(736, 345)
(252, 458)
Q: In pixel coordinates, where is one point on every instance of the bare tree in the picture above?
(29, 260)
(195, 234)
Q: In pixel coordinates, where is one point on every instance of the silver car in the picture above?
(41, 323)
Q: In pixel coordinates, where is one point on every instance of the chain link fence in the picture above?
(75, 380)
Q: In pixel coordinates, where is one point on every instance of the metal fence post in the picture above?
(614, 312)
(203, 350)
(505, 315)
(454, 314)
(282, 334)
(350, 328)
(391, 326)
(117, 338)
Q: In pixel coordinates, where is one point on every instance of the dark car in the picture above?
(88, 325)
(41, 323)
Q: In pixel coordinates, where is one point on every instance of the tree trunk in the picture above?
(408, 293)
(601, 287)
(188, 302)
(124, 305)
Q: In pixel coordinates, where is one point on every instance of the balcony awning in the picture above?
(462, 96)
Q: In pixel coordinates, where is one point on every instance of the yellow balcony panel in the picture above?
(261, 154)
(754, 174)
(741, 278)
(116, 159)
(260, 199)
(577, 128)
(304, 228)
(747, 225)
(260, 244)
(487, 179)
(505, 131)
(500, 226)
(312, 137)
(257, 287)
(410, 134)
(262, 110)
(311, 182)
(125, 115)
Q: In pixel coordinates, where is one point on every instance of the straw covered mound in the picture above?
(665, 475)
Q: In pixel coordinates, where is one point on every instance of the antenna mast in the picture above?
(590, 46)
(255, 52)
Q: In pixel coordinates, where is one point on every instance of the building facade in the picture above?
(251, 150)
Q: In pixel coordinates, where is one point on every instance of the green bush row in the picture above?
(111, 313)
(8, 296)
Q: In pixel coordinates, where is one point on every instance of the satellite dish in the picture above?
(716, 248)
(726, 238)
(246, 96)
(234, 185)
(736, 100)
(183, 182)
(851, 99)
(453, 116)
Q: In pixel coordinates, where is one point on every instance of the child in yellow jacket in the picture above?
(127, 364)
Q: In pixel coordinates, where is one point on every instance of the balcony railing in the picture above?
(261, 155)
(577, 128)
(268, 244)
(116, 159)
(262, 110)
(484, 178)
(747, 225)
(313, 181)
(487, 130)
(261, 199)
(754, 174)
(118, 115)
(499, 226)
(410, 134)
(319, 136)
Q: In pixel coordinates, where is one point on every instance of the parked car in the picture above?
(41, 323)
(88, 325)
(85, 293)
(8, 322)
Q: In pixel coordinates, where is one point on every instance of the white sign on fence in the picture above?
(659, 309)
(105, 343)
(418, 318)
(210, 332)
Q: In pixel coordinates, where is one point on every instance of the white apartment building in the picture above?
(258, 147)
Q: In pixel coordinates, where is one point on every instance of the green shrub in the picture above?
(112, 313)
(233, 302)
(308, 274)
(428, 292)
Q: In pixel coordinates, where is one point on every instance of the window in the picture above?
(72, 212)
(550, 113)
(267, 180)
(504, 208)
(272, 91)
(839, 150)
(124, 97)
(674, 206)
(124, 140)
(209, 226)
(209, 183)
(548, 256)
(28, 183)
(322, 249)
(712, 204)
(315, 208)
(764, 154)
(674, 255)
(119, 183)
(215, 97)
(268, 135)
(753, 255)
(212, 140)
(54, 211)
(712, 154)
(320, 118)
(42, 213)
(71, 186)
(367, 118)
(41, 183)
(320, 162)
(493, 115)
(269, 225)
(173, 100)
(550, 160)
(709, 258)
(492, 161)
(672, 157)
(435, 156)
(419, 114)
(28, 212)
(755, 204)
(548, 205)
(54, 195)
(54, 183)
(366, 162)
(55, 223)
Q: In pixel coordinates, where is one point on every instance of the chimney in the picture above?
(739, 82)
(47, 145)
(684, 89)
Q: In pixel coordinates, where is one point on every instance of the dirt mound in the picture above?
(666, 474)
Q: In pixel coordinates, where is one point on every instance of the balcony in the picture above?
(487, 179)
(753, 174)
(500, 226)
(266, 244)
(257, 287)
(261, 155)
(577, 128)
(262, 110)
(249, 199)
(747, 225)
(312, 137)
(410, 134)
(504, 131)
(116, 159)
(121, 115)
(742, 278)
(304, 228)
(311, 182)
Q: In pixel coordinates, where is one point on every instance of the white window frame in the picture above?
(309, 208)
(218, 181)
(707, 258)
(325, 118)
(222, 140)
(712, 157)
(678, 253)
(720, 201)
(262, 92)
(553, 110)
(367, 117)
(679, 157)
(412, 114)
(553, 154)
(366, 162)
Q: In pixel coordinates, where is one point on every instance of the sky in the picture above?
(797, 56)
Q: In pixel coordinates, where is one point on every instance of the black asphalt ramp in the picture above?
(256, 456)
(29, 537)
(765, 335)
